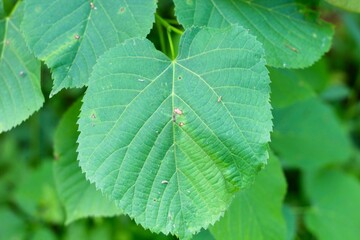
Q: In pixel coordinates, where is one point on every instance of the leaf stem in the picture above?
(161, 22)
(161, 36)
(171, 44)
(167, 25)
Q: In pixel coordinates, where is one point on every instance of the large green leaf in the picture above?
(20, 91)
(291, 39)
(350, 5)
(172, 141)
(70, 35)
(307, 133)
(335, 211)
(256, 213)
(79, 197)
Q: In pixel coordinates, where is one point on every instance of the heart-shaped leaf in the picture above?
(70, 35)
(292, 36)
(171, 141)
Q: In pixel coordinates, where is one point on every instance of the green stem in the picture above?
(161, 37)
(167, 25)
(171, 44)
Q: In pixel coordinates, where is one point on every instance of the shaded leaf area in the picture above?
(349, 5)
(110, 228)
(292, 36)
(12, 226)
(40, 202)
(79, 197)
(70, 35)
(307, 133)
(256, 213)
(335, 212)
(20, 91)
(172, 141)
(203, 235)
(2, 16)
(291, 222)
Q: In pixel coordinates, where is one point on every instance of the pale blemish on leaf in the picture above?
(92, 5)
(22, 74)
(178, 111)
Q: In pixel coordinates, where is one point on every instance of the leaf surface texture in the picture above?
(171, 141)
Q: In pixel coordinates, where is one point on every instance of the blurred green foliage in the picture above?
(319, 168)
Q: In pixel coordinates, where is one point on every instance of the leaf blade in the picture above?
(86, 31)
(256, 213)
(148, 156)
(326, 190)
(19, 74)
(291, 39)
(79, 197)
(349, 5)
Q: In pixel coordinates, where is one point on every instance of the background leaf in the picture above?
(2, 16)
(70, 35)
(41, 202)
(307, 133)
(20, 91)
(12, 226)
(171, 141)
(292, 36)
(349, 5)
(256, 213)
(335, 210)
(80, 198)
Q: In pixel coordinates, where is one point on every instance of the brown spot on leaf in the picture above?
(122, 10)
(291, 48)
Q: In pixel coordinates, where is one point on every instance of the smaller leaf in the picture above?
(291, 222)
(349, 5)
(307, 133)
(287, 88)
(256, 213)
(20, 91)
(2, 12)
(79, 197)
(70, 35)
(335, 211)
(36, 194)
(12, 226)
(292, 35)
